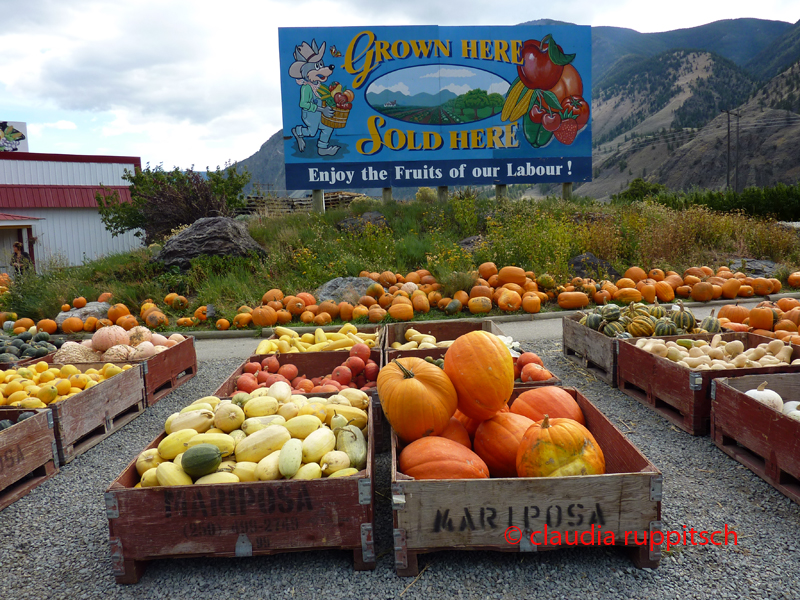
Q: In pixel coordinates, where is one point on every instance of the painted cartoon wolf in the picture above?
(309, 70)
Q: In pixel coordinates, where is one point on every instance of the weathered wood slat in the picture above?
(764, 440)
(168, 370)
(27, 453)
(590, 349)
(241, 519)
(85, 419)
(432, 515)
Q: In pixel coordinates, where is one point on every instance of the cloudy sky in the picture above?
(196, 83)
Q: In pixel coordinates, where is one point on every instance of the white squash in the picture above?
(767, 397)
(143, 351)
(139, 334)
(281, 391)
(790, 406)
(795, 414)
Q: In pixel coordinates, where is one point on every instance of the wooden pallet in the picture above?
(86, 419)
(240, 519)
(681, 395)
(762, 439)
(28, 453)
(168, 370)
(436, 515)
(590, 349)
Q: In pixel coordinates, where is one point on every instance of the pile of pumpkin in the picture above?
(779, 319)
(115, 344)
(456, 423)
(265, 435)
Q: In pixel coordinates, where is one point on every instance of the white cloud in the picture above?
(500, 87)
(401, 88)
(450, 73)
(37, 128)
(457, 89)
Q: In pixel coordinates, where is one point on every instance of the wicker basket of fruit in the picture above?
(339, 118)
(341, 101)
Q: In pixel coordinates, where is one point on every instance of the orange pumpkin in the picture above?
(635, 273)
(656, 274)
(283, 316)
(420, 303)
(534, 372)
(223, 324)
(456, 431)
(674, 280)
(102, 323)
(627, 295)
(762, 318)
(401, 311)
(548, 400)
(179, 303)
(746, 291)
(558, 448)
(264, 316)
(417, 397)
(511, 275)
(360, 311)
(243, 320)
(531, 303)
(626, 282)
(376, 314)
(79, 302)
(787, 304)
(117, 311)
(683, 291)
(734, 312)
(479, 305)
(104, 297)
(127, 322)
(345, 311)
(72, 325)
(329, 307)
(157, 319)
(65, 308)
(497, 441)
(90, 324)
(482, 371)
(441, 458)
(322, 318)
(572, 300)
(200, 313)
(487, 269)
(794, 279)
(461, 296)
(509, 300)
(169, 298)
(762, 286)
(375, 290)
(273, 295)
(648, 292)
(702, 291)
(47, 325)
(294, 305)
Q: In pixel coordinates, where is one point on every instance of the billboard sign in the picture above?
(432, 106)
(13, 136)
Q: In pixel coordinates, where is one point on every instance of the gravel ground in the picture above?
(54, 541)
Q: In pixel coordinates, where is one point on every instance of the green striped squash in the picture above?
(683, 318)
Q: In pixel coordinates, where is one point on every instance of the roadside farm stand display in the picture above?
(474, 514)
(28, 454)
(765, 438)
(260, 514)
(682, 394)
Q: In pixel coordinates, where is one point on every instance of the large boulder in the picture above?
(98, 310)
(343, 289)
(215, 236)
(588, 265)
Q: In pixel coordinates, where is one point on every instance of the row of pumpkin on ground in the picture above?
(400, 297)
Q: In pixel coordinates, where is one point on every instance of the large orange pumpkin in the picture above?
(734, 312)
(417, 397)
(72, 325)
(511, 275)
(572, 300)
(559, 448)
(497, 441)
(549, 400)
(531, 303)
(47, 325)
(264, 316)
(762, 286)
(479, 305)
(509, 300)
(482, 371)
(794, 279)
(440, 458)
(156, 319)
(627, 295)
(272, 296)
(635, 273)
(401, 311)
(702, 291)
(117, 311)
(762, 318)
(487, 269)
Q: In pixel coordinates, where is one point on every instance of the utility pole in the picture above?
(728, 174)
(737, 152)
(728, 168)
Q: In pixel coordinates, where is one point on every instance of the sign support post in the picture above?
(318, 201)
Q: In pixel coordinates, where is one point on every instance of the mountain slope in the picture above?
(775, 58)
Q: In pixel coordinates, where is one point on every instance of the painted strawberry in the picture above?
(567, 131)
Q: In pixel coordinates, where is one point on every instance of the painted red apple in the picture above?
(537, 71)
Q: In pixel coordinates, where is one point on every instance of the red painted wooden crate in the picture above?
(762, 439)
(240, 519)
(436, 515)
(679, 394)
(590, 349)
(28, 453)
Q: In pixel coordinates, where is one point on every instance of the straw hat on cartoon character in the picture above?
(309, 71)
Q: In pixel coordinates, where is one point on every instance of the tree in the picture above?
(496, 100)
(476, 99)
(164, 200)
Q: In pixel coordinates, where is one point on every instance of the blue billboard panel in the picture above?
(434, 106)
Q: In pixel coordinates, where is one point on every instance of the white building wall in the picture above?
(76, 234)
(34, 172)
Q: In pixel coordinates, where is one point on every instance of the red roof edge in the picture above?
(77, 158)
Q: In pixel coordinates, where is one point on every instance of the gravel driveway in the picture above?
(54, 541)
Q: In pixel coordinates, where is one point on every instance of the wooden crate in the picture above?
(164, 372)
(679, 394)
(435, 515)
(28, 453)
(86, 419)
(590, 349)
(762, 439)
(240, 519)
(441, 330)
(379, 329)
(168, 370)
